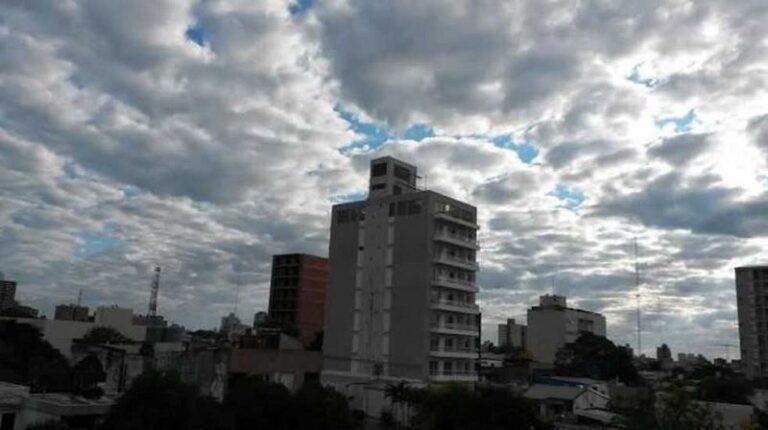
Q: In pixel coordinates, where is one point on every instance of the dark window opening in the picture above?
(379, 169)
(402, 173)
(397, 190)
(378, 186)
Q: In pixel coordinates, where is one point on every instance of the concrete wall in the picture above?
(289, 368)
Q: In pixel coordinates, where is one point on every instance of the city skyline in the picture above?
(207, 137)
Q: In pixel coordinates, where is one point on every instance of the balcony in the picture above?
(455, 261)
(453, 328)
(455, 306)
(456, 283)
(453, 352)
(453, 376)
(456, 218)
(456, 239)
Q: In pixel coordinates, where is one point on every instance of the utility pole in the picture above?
(637, 296)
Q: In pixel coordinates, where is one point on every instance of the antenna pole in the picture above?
(154, 291)
(79, 297)
(637, 296)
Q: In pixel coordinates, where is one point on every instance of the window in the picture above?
(414, 207)
(402, 173)
(433, 367)
(391, 209)
(396, 190)
(379, 169)
(378, 186)
(402, 208)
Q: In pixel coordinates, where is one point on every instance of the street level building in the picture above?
(553, 324)
(512, 334)
(752, 303)
(297, 293)
(401, 292)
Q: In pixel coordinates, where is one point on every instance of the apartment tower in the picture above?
(297, 293)
(401, 291)
(752, 306)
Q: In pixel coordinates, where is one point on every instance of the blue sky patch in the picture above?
(525, 151)
(634, 76)
(297, 7)
(90, 243)
(570, 197)
(196, 34)
(346, 198)
(418, 132)
(372, 135)
(682, 124)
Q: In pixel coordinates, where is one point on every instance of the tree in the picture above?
(596, 357)
(162, 402)
(456, 407)
(675, 410)
(258, 404)
(101, 335)
(726, 390)
(26, 358)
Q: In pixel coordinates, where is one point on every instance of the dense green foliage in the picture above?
(598, 358)
(26, 358)
(102, 335)
(458, 407)
(162, 402)
(676, 410)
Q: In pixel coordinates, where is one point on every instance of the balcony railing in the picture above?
(465, 350)
(455, 326)
(458, 281)
(455, 237)
(434, 372)
(463, 261)
(468, 305)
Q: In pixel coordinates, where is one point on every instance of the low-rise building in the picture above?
(553, 324)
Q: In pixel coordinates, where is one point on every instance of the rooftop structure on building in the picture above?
(71, 312)
(552, 324)
(401, 293)
(297, 293)
(751, 302)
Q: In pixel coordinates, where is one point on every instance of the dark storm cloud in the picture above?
(666, 202)
(682, 149)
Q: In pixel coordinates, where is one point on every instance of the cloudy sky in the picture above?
(206, 135)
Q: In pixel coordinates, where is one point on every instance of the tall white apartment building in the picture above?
(752, 306)
(400, 302)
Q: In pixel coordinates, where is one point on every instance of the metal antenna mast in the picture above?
(79, 297)
(154, 291)
(637, 296)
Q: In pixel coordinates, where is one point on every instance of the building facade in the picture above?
(752, 306)
(512, 334)
(7, 294)
(71, 313)
(552, 324)
(401, 296)
(297, 293)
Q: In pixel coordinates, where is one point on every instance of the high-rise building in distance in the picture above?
(751, 303)
(512, 334)
(297, 293)
(553, 324)
(7, 294)
(401, 290)
(71, 313)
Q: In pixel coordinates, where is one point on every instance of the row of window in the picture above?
(455, 211)
(409, 207)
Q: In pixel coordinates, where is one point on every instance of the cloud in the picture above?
(206, 136)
